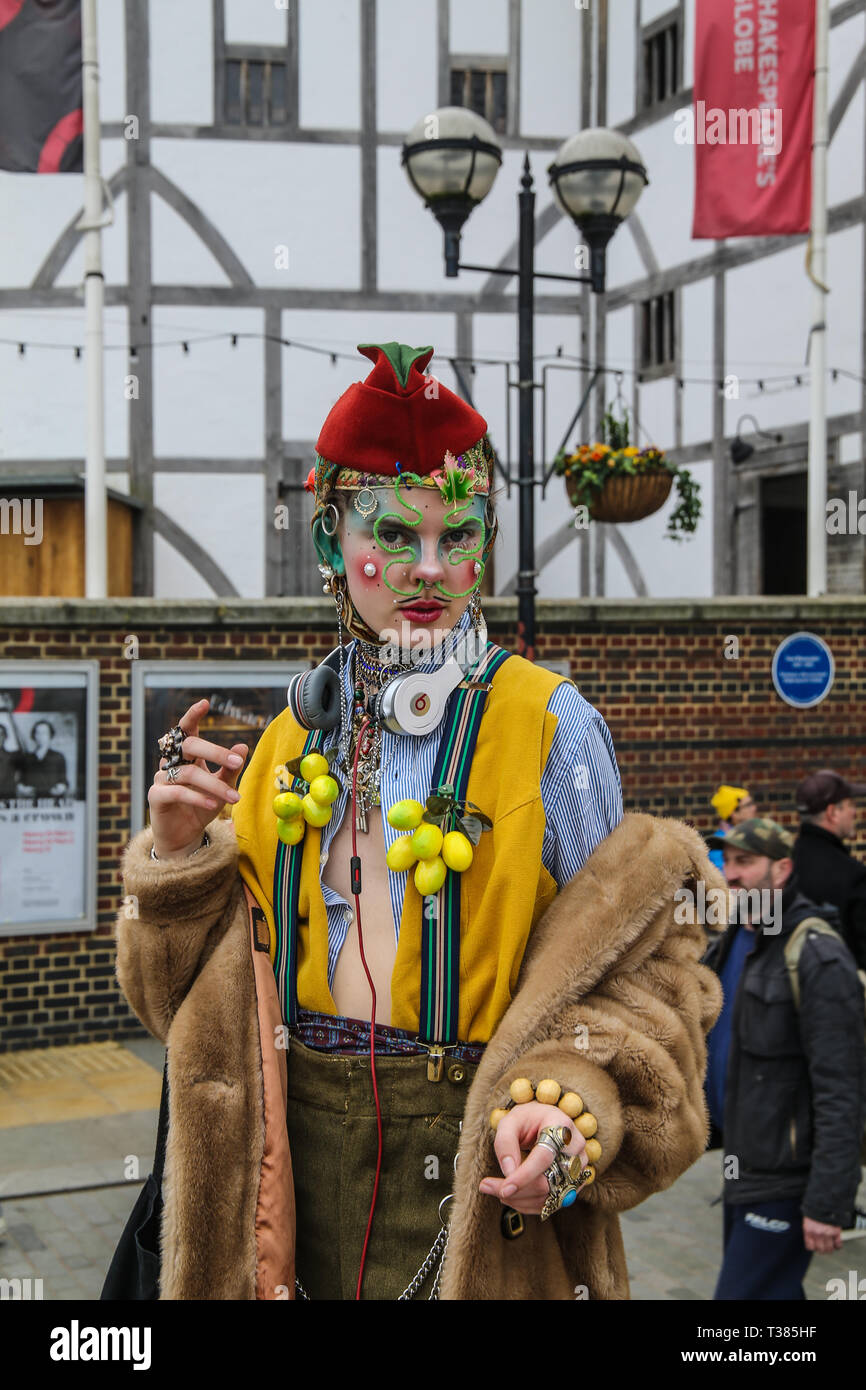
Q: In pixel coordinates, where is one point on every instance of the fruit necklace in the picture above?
(295, 810)
(443, 832)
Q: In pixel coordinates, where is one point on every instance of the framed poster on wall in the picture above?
(244, 697)
(49, 721)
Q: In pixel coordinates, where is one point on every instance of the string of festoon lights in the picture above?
(764, 384)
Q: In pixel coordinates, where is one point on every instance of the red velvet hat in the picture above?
(398, 415)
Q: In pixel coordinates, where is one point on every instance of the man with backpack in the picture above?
(794, 1079)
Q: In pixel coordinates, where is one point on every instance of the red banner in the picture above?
(752, 117)
(41, 119)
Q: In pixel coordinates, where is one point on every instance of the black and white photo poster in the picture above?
(46, 810)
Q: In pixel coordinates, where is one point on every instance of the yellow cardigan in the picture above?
(504, 892)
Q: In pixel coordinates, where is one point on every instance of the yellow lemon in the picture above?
(400, 854)
(457, 851)
(430, 875)
(405, 815)
(313, 765)
(291, 832)
(324, 790)
(287, 805)
(314, 814)
(427, 841)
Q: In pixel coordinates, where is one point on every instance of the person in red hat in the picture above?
(388, 974)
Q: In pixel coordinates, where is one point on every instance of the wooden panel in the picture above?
(55, 567)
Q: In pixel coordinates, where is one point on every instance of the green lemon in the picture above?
(313, 765)
(287, 806)
(313, 813)
(400, 854)
(405, 815)
(457, 851)
(427, 841)
(291, 832)
(324, 790)
(430, 875)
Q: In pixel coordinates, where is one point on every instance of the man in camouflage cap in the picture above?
(758, 836)
(786, 1086)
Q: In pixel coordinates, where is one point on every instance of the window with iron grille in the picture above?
(662, 60)
(255, 91)
(482, 89)
(657, 339)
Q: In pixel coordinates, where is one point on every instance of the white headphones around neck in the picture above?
(412, 702)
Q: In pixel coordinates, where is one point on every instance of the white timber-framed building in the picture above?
(252, 152)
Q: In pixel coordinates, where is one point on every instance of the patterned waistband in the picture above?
(332, 1033)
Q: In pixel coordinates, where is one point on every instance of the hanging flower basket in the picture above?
(624, 498)
(617, 482)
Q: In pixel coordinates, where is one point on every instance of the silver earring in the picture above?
(475, 611)
(331, 509)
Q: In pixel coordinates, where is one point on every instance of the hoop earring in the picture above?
(331, 507)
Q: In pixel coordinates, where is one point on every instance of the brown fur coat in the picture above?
(611, 1001)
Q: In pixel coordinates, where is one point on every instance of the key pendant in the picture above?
(361, 820)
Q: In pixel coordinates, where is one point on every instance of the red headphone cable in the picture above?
(356, 889)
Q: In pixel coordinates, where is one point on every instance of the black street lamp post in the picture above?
(451, 158)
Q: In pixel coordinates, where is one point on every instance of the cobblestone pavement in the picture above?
(673, 1240)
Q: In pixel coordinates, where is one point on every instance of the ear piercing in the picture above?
(370, 568)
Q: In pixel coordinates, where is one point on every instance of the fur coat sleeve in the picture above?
(172, 919)
(612, 1003)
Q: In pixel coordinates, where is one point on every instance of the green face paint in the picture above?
(409, 552)
(392, 532)
(470, 522)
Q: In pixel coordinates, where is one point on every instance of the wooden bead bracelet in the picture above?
(549, 1092)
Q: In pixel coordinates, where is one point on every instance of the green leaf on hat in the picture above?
(400, 357)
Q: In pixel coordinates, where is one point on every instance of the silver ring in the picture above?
(331, 507)
(449, 1197)
(552, 1137)
(172, 774)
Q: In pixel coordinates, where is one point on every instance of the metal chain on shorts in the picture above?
(436, 1252)
(435, 1255)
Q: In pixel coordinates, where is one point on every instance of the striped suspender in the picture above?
(287, 889)
(440, 934)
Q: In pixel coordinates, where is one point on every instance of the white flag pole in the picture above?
(817, 476)
(95, 505)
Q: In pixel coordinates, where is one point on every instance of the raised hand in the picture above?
(181, 810)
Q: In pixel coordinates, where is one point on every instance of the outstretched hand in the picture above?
(524, 1186)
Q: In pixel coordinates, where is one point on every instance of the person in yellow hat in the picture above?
(731, 805)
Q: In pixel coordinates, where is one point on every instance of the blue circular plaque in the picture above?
(803, 670)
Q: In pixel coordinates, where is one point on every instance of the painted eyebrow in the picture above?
(389, 525)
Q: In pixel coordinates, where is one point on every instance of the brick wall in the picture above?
(683, 719)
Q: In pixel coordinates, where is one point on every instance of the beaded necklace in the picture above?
(370, 675)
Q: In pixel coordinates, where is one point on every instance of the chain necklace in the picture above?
(369, 676)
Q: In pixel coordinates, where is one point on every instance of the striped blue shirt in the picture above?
(581, 791)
